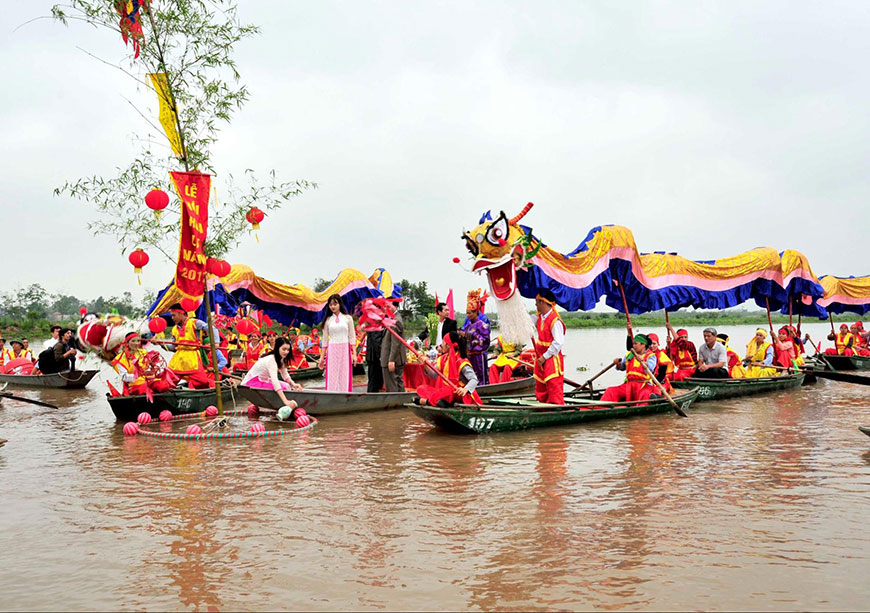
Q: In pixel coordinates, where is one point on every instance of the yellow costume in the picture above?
(186, 358)
(756, 352)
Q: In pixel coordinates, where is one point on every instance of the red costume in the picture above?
(450, 365)
(684, 355)
(549, 379)
(842, 342)
(637, 386)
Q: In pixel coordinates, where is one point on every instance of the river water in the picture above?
(759, 503)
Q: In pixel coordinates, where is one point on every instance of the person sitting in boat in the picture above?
(271, 335)
(59, 358)
(28, 351)
(637, 385)
(843, 342)
(452, 363)
(502, 368)
(136, 372)
(186, 362)
(295, 358)
(2, 350)
(860, 345)
(314, 337)
(15, 351)
(712, 357)
(759, 356)
(253, 352)
(784, 350)
(683, 353)
(735, 364)
(264, 372)
(549, 338)
(664, 364)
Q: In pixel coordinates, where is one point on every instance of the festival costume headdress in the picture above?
(474, 301)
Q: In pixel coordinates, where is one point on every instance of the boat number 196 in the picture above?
(481, 424)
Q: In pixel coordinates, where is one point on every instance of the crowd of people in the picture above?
(58, 354)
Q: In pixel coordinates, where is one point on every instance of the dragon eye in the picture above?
(479, 238)
(498, 231)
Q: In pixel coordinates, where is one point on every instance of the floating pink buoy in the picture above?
(194, 429)
(165, 415)
(253, 410)
(144, 418)
(299, 411)
(211, 411)
(258, 427)
(302, 421)
(131, 428)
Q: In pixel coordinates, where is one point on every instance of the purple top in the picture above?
(478, 336)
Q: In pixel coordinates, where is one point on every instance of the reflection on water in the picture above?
(747, 504)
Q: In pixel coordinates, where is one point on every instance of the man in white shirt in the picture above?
(51, 342)
(445, 324)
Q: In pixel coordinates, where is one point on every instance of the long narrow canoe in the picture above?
(69, 379)
(719, 389)
(853, 362)
(321, 402)
(300, 374)
(505, 415)
(127, 408)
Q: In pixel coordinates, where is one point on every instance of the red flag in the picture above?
(112, 390)
(192, 188)
(450, 312)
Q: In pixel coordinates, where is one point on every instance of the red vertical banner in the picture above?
(193, 189)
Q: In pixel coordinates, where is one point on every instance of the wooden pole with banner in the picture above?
(213, 348)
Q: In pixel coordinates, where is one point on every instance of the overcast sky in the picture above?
(708, 128)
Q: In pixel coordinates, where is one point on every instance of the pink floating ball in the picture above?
(302, 421)
(144, 418)
(258, 427)
(165, 415)
(253, 410)
(131, 428)
(211, 411)
(194, 429)
(299, 411)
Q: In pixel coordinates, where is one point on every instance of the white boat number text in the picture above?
(481, 424)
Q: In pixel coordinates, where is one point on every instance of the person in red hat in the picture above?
(860, 346)
(664, 364)
(452, 363)
(843, 342)
(683, 353)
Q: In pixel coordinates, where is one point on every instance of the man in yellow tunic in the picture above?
(760, 352)
(186, 362)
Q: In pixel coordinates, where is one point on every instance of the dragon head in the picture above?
(500, 247)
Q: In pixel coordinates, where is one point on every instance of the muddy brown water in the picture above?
(759, 503)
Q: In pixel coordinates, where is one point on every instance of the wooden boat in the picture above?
(179, 401)
(319, 402)
(301, 374)
(69, 379)
(719, 389)
(865, 430)
(508, 414)
(844, 362)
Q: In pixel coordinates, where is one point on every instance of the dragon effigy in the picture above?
(608, 264)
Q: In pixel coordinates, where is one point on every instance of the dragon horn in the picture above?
(522, 214)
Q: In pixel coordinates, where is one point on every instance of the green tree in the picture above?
(192, 43)
(321, 284)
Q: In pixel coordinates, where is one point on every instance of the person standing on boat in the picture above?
(393, 354)
(452, 363)
(264, 373)
(374, 339)
(338, 339)
(637, 385)
(477, 336)
(59, 358)
(843, 342)
(187, 361)
(445, 323)
(712, 357)
(54, 331)
(550, 337)
(759, 356)
(683, 353)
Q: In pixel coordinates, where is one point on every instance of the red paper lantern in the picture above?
(138, 259)
(219, 268)
(254, 217)
(157, 200)
(157, 325)
(246, 327)
(189, 304)
(83, 310)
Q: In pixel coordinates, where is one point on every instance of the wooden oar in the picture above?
(652, 377)
(36, 402)
(565, 379)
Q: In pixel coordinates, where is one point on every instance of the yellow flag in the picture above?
(167, 114)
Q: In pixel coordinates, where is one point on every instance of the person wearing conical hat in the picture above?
(477, 335)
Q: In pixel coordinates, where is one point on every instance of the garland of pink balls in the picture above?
(304, 422)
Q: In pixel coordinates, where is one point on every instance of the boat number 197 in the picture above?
(481, 424)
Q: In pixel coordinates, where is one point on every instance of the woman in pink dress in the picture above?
(338, 341)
